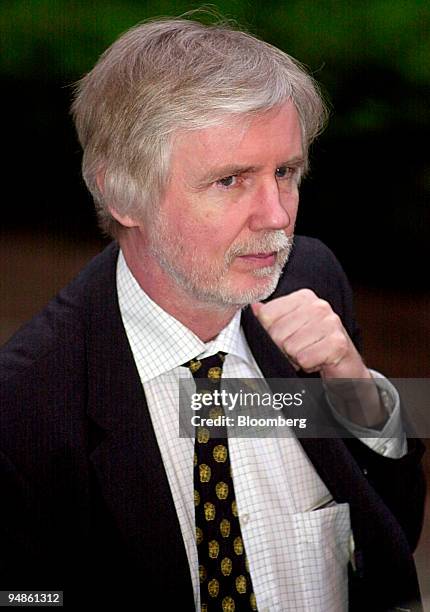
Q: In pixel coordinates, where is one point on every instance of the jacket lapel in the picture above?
(124, 451)
(271, 360)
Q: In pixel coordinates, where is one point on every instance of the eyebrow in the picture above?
(230, 170)
(224, 171)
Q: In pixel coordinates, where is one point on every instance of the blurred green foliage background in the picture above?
(368, 192)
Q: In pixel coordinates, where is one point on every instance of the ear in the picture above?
(124, 220)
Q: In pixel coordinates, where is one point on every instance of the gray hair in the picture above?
(175, 74)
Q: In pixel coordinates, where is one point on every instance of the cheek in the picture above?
(210, 227)
(198, 236)
(291, 205)
(216, 232)
(213, 240)
(294, 209)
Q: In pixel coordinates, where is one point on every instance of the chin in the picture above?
(253, 292)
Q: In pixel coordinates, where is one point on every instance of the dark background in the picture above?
(369, 189)
(367, 195)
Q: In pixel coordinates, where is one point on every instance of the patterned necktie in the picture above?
(225, 582)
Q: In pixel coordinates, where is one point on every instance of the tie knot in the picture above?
(209, 367)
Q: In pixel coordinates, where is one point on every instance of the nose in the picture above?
(273, 208)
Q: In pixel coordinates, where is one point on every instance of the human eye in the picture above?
(288, 172)
(228, 181)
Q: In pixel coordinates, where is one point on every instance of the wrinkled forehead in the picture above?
(272, 136)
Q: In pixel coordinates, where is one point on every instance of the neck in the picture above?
(205, 320)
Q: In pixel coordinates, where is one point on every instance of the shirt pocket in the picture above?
(323, 540)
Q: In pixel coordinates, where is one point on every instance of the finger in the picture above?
(305, 329)
(292, 361)
(269, 312)
(256, 307)
(326, 352)
(289, 325)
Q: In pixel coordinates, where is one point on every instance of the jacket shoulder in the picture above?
(57, 333)
(312, 263)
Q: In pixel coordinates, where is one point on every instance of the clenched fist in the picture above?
(313, 338)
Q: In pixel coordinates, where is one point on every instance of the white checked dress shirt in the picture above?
(298, 557)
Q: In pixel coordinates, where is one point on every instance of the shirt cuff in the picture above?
(391, 440)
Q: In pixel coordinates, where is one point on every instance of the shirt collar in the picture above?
(161, 341)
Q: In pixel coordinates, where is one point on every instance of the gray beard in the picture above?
(204, 280)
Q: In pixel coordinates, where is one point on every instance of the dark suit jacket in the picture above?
(86, 506)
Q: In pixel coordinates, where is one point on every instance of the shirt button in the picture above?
(244, 519)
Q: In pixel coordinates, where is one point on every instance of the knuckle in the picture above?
(305, 360)
(341, 341)
(333, 318)
(323, 306)
(277, 336)
(289, 349)
(279, 340)
(307, 293)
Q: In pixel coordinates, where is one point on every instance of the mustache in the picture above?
(270, 242)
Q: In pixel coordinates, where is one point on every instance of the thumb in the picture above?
(256, 307)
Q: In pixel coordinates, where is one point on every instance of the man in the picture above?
(195, 139)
